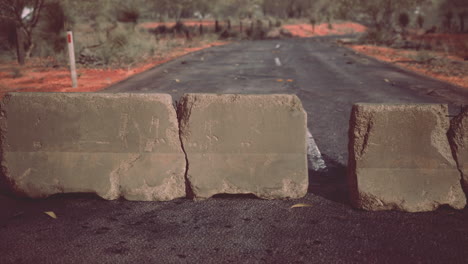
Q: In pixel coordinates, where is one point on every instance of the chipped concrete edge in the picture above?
(453, 135)
(458, 139)
(7, 185)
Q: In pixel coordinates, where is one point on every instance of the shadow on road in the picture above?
(330, 183)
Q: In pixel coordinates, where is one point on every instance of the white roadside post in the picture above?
(71, 53)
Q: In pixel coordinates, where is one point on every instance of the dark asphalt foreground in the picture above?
(242, 229)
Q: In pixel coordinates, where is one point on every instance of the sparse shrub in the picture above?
(259, 23)
(313, 22)
(464, 50)
(278, 23)
(256, 32)
(121, 47)
(448, 20)
(376, 36)
(227, 34)
(127, 14)
(423, 56)
(403, 20)
(420, 21)
(162, 29)
(179, 27)
(49, 40)
(7, 35)
(217, 26)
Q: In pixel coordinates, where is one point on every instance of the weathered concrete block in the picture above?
(400, 158)
(240, 144)
(458, 137)
(114, 145)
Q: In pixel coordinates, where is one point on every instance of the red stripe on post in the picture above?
(69, 38)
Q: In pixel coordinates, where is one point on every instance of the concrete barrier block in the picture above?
(114, 145)
(245, 144)
(458, 137)
(400, 158)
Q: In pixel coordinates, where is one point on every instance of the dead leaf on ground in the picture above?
(51, 214)
(301, 205)
(387, 80)
(177, 80)
(279, 80)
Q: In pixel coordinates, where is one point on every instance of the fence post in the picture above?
(71, 53)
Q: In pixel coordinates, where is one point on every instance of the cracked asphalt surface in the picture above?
(328, 79)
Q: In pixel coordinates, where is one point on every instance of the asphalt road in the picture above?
(241, 229)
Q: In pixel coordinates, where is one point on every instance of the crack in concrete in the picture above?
(182, 115)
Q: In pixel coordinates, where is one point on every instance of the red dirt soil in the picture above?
(306, 30)
(33, 77)
(403, 58)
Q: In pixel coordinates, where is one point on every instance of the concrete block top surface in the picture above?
(93, 122)
(400, 158)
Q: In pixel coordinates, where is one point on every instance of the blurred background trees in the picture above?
(36, 27)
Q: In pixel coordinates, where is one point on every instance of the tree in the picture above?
(420, 21)
(403, 20)
(381, 12)
(25, 15)
(449, 9)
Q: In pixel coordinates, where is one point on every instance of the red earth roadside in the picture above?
(34, 77)
(307, 30)
(454, 70)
